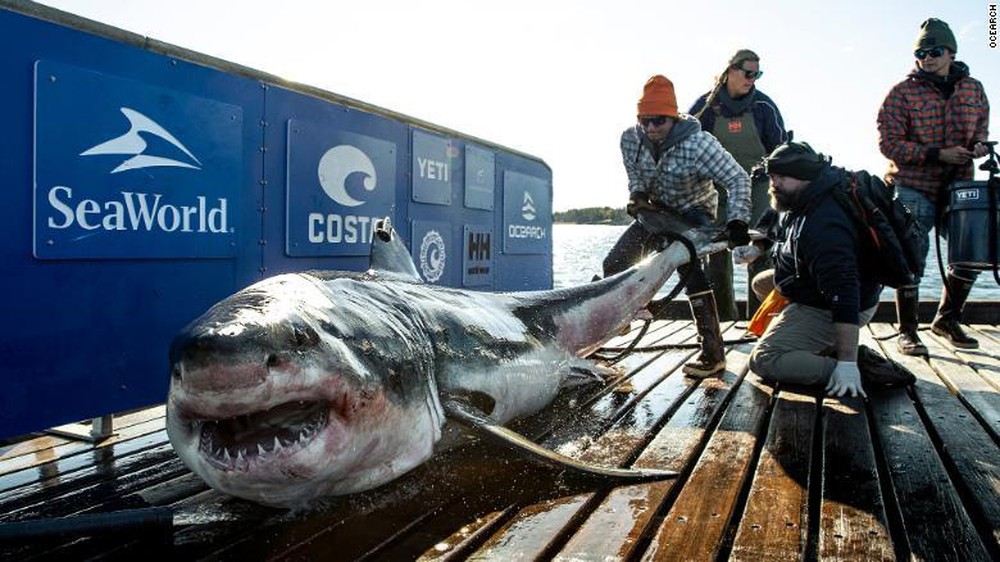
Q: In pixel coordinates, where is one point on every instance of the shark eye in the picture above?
(175, 373)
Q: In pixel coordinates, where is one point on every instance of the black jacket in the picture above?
(816, 253)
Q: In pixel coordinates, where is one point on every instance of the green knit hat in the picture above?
(935, 33)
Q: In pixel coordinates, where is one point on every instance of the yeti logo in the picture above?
(132, 144)
(342, 164)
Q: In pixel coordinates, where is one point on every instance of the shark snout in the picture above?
(225, 357)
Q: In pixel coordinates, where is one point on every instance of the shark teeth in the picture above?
(238, 442)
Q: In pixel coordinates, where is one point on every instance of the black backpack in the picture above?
(893, 245)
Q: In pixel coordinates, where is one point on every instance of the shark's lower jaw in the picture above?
(239, 443)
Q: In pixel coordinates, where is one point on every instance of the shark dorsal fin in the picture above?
(389, 254)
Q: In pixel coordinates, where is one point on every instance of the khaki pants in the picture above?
(787, 351)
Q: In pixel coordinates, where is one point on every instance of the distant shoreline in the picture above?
(593, 215)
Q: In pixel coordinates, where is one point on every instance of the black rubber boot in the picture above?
(712, 359)
(948, 320)
(907, 303)
(877, 371)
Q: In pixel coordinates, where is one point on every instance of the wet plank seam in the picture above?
(987, 529)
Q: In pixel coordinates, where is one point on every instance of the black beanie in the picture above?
(795, 159)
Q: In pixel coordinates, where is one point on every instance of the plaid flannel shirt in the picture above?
(915, 117)
(682, 179)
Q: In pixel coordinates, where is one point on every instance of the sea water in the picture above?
(579, 249)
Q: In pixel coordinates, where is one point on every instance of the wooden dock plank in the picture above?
(528, 534)
(460, 544)
(108, 464)
(773, 526)
(622, 521)
(695, 526)
(981, 360)
(853, 524)
(41, 451)
(967, 448)
(936, 523)
(982, 397)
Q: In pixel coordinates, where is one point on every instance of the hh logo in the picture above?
(132, 144)
(345, 165)
(736, 127)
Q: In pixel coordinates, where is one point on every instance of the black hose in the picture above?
(156, 521)
(671, 346)
(993, 216)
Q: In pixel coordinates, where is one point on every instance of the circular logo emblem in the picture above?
(432, 256)
(339, 166)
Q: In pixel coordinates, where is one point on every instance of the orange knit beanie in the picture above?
(658, 97)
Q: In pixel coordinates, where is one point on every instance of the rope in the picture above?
(671, 346)
(656, 306)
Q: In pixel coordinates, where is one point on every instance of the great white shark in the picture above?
(320, 383)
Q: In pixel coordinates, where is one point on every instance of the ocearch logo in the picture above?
(528, 213)
(528, 208)
(341, 167)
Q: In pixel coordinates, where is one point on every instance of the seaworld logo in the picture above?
(340, 168)
(131, 209)
(132, 144)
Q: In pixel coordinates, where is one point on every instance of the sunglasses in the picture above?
(934, 53)
(750, 74)
(655, 121)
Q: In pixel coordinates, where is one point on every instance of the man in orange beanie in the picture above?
(671, 165)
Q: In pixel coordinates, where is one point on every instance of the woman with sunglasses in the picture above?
(748, 124)
(672, 165)
(931, 126)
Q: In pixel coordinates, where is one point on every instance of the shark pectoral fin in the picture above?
(476, 420)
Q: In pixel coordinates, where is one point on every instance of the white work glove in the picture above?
(845, 378)
(745, 254)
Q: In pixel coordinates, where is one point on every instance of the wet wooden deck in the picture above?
(766, 473)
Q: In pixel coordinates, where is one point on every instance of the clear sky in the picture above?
(560, 79)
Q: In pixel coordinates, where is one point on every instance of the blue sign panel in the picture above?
(339, 184)
(477, 256)
(430, 246)
(527, 212)
(436, 164)
(125, 169)
(480, 175)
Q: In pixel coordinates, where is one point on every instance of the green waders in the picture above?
(738, 136)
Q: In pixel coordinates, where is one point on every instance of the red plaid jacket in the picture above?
(915, 117)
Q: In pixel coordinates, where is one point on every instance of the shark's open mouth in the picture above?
(233, 443)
